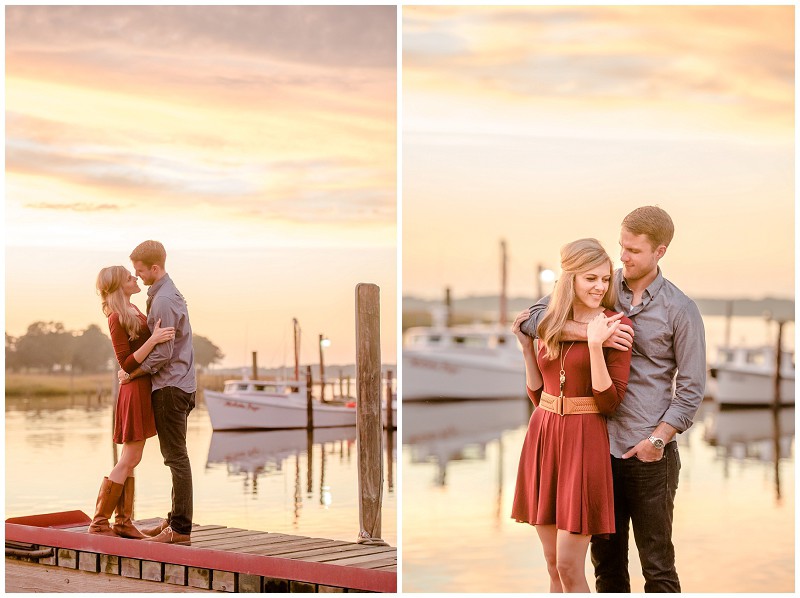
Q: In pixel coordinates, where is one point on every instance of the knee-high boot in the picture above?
(123, 524)
(106, 502)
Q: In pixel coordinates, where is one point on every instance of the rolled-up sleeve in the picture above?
(122, 344)
(537, 310)
(690, 358)
(161, 309)
(619, 369)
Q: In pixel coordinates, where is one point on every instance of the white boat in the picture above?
(478, 361)
(271, 404)
(462, 362)
(745, 376)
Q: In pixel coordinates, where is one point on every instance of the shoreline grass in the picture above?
(31, 385)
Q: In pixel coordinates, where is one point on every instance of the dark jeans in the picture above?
(644, 494)
(171, 407)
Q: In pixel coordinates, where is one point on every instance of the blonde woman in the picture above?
(564, 484)
(133, 419)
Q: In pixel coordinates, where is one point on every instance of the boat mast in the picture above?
(296, 328)
(503, 264)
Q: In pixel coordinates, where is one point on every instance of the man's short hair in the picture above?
(150, 253)
(653, 222)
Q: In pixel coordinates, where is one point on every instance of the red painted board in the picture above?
(60, 519)
(206, 558)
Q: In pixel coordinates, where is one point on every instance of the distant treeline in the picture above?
(48, 346)
(472, 308)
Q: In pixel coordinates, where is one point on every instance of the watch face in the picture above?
(657, 442)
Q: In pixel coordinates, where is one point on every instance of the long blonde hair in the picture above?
(576, 257)
(109, 287)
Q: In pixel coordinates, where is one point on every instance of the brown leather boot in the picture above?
(106, 502)
(123, 526)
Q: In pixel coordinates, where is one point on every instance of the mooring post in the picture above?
(390, 426)
(776, 410)
(369, 430)
(255, 366)
(389, 418)
(309, 404)
(777, 396)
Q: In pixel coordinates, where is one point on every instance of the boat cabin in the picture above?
(271, 387)
(426, 338)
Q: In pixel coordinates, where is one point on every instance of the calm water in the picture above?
(57, 452)
(734, 515)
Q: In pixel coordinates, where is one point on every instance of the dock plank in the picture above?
(264, 539)
(347, 547)
(220, 535)
(388, 561)
(266, 549)
(365, 551)
(318, 545)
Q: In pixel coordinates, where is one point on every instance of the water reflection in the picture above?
(443, 432)
(762, 434)
(250, 454)
(460, 461)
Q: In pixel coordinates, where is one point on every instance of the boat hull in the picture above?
(737, 388)
(431, 376)
(247, 412)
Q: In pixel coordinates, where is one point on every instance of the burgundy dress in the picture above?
(564, 475)
(133, 419)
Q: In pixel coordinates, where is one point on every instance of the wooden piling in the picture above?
(728, 318)
(389, 418)
(777, 392)
(321, 370)
(369, 429)
(503, 279)
(255, 366)
(309, 404)
(448, 307)
(776, 410)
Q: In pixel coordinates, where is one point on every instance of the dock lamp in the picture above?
(544, 276)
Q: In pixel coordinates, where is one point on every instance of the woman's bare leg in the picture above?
(131, 456)
(571, 560)
(547, 534)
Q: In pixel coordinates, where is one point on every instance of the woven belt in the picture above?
(568, 405)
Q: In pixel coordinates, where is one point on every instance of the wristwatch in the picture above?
(657, 442)
(127, 376)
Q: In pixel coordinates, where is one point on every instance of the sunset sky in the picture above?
(542, 125)
(258, 143)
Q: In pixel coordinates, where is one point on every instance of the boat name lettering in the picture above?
(248, 406)
(433, 365)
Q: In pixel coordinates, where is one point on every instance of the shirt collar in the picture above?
(157, 285)
(651, 289)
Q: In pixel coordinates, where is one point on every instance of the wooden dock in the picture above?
(217, 558)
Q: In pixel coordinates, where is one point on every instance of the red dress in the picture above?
(564, 475)
(133, 419)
